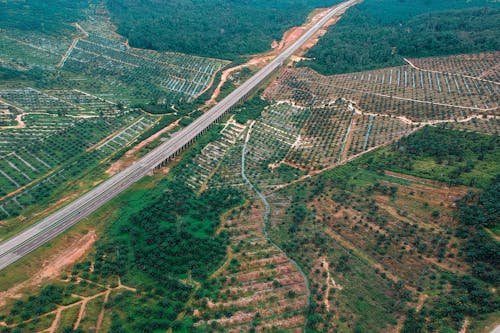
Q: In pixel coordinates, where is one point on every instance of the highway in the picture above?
(50, 227)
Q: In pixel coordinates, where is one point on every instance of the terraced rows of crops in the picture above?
(60, 134)
(272, 137)
(7, 114)
(340, 294)
(367, 89)
(67, 102)
(481, 65)
(405, 91)
(259, 288)
(99, 60)
(126, 135)
(324, 136)
(178, 73)
(205, 164)
(312, 138)
(22, 49)
(370, 131)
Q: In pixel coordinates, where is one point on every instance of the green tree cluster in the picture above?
(221, 28)
(379, 33)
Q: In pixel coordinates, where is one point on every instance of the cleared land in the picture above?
(356, 261)
(374, 240)
(94, 58)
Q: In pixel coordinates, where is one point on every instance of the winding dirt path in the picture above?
(257, 62)
(81, 313)
(327, 291)
(480, 78)
(53, 266)
(101, 314)
(82, 303)
(465, 326)
(229, 251)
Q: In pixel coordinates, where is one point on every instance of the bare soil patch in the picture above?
(129, 157)
(53, 266)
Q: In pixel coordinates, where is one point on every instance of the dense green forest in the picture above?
(222, 28)
(379, 33)
(250, 109)
(47, 16)
(159, 240)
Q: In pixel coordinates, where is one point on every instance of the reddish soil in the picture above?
(129, 158)
(53, 266)
(259, 61)
(289, 37)
(20, 123)
(262, 282)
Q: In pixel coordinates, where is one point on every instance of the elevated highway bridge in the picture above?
(50, 227)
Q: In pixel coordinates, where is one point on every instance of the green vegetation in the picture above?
(176, 233)
(367, 224)
(466, 297)
(171, 237)
(47, 16)
(47, 165)
(454, 157)
(378, 33)
(160, 240)
(223, 29)
(9, 74)
(250, 109)
(482, 251)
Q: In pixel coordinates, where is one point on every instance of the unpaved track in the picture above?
(41, 233)
(266, 217)
(82, 303)
(53, 267)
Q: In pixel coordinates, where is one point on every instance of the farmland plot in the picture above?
(181, 75)
(340, 295)
(481, 65)
(273, 135)
(205, 164)
(74, 103)
(99, 60)
(375, 243)
(337, 131)
(56, 135)
(22, 50)
(83, 305)
(257, 287)
(415, 94)
(100, 51)
(289, 140)
(8, 114)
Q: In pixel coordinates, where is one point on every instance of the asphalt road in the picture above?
(35, 236)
